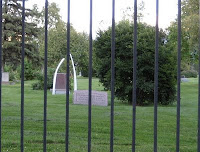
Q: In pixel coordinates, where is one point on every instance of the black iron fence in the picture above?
(90, 78)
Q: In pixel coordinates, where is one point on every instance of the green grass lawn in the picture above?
(33, 132)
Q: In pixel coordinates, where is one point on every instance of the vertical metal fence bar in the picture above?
(90, 81)
(156, 78)
(0, 66)
(198, 138)
(22, 76)
(112, 77)
(67, 80)
(134, 95)
(45, 78)
(178, 77)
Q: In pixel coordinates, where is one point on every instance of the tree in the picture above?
(145, 66)
(57, 42)
(53, 15)
(190, 28)
(78, 47)
(128, 13)
(190, 25)
(172, 43)
(12, 33)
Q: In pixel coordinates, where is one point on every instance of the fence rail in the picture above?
(90, 78)
(198, 137)
(0, 74)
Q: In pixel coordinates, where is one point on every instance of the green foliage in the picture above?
(172, 42)
(39, 85)
(189, 74)
(189, 36)
(57, 42)
(29, 70)
(54, 17)
(12, 30)
(145, 66)
(190, 22)
(14, 75)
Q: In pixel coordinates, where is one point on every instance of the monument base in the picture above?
(7, 83)
(59, 91)
(184, 80)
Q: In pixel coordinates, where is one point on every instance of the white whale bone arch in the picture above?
(55, 75)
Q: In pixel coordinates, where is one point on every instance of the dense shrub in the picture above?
(39, 85)
(29, 70)
(189, 74)
(145, 66)
(14, 74)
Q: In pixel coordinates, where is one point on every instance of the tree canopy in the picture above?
(190, 20)
(190, 29)
(145, 66)
(57, 42)
(12, 33)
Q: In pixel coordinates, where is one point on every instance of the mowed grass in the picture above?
(33, 131)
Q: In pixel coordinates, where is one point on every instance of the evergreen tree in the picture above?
(12, 33)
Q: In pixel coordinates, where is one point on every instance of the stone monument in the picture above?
(59, 79)
(184, 79)
(99, 98)
(60, 87)
(5, 77)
